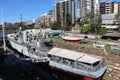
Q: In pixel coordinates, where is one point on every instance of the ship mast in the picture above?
(4, 43)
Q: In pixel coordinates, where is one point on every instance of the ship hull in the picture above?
(71, 76)
(61, 74)
(24, 50)
(74, 41)
(77, 73)
(71, 38)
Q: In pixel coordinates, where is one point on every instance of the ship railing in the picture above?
(81, 66)
(90, 68)
(35, 60)
(41, 54)
(98, 67)
(85, 67)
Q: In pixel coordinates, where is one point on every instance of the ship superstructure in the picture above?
(31, 43)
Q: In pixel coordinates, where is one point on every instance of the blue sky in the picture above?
(29, 9)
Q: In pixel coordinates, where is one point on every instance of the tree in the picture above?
(56, 25)
(102, 31)
(86, 30)
(30, 26)
(98, 22)
(68, 22)
(94, 20)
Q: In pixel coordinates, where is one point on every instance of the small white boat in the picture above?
(71, 38)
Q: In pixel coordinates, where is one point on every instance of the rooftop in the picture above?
(73, 55)
(108, 16)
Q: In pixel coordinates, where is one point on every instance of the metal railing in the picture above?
(91, 68)
(81, 66)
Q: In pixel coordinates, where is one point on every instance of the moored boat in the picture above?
(71, 38)
(87, 67)
(30, 43)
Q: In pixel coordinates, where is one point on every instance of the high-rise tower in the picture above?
(62, 8)
(109, 7)
(87, 6)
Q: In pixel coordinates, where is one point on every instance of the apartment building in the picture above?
(109, 7)
(87, 6)
(45, 19)
(108, 21)
(62, 8)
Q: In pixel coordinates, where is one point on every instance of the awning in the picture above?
(68, 54)
(88, 59)
(73, 55)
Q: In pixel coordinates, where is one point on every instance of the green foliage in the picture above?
(31, 26)
(117, 16)
(102, 31)
(56, 25)
(118, 29)
(91, 29)
(86, 29)
(68, 28)
(107, 47)
(24, 27)
(87, 42)
(68, 22)
(67, 25)
(94, 20)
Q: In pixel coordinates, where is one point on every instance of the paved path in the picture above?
(102, 41)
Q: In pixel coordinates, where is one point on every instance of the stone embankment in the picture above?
(113, 70)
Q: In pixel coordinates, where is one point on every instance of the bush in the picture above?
(86, 29)
(102, 31)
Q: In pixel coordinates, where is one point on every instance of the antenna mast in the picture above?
(21, 18)
(4, 44)
(20, 22)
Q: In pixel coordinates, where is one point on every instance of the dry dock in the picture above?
(113, 70)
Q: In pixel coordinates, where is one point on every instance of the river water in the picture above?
(6, 32)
